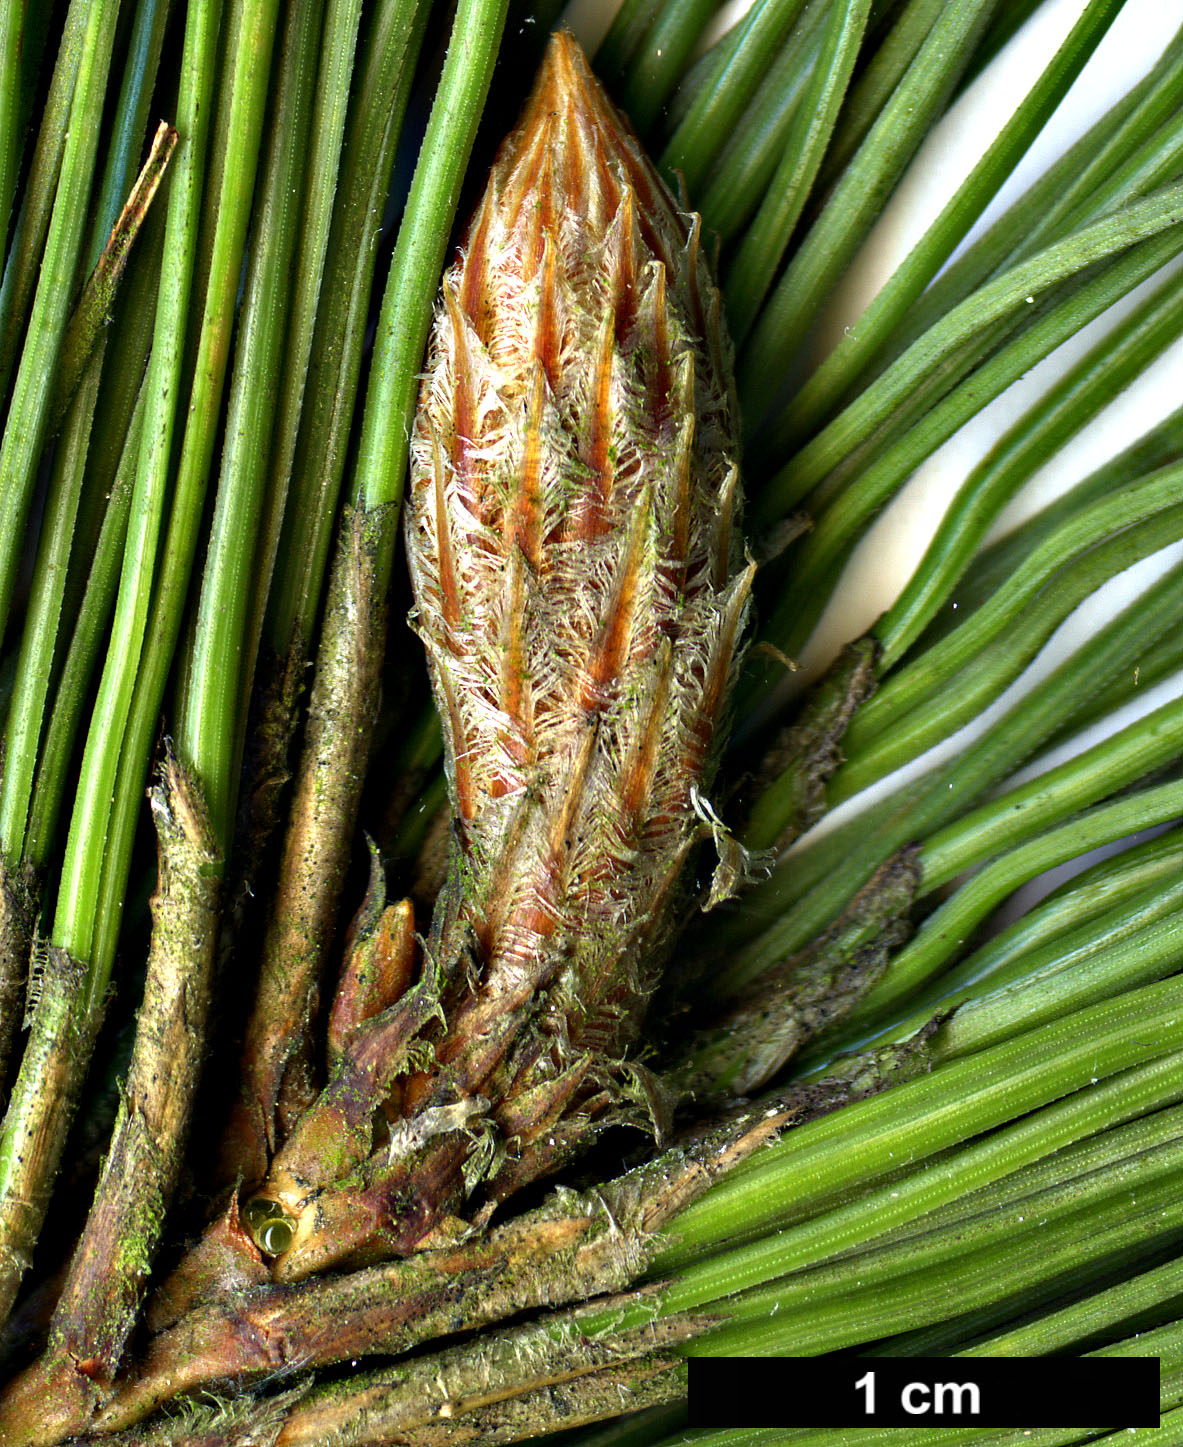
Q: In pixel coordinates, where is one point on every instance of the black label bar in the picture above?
(1093, 1392)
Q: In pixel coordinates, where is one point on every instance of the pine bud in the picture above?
(571, 529)
(573, 543)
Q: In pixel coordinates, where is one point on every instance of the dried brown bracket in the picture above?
(572, 531)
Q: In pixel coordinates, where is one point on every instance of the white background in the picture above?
(891, 550)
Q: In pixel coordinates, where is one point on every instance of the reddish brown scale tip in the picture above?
(379, 966)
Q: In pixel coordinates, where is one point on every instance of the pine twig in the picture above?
(111, 1263)
(574, 1246)
(556, 1373)
(18, 908)
(42, 1106)
(316, 848)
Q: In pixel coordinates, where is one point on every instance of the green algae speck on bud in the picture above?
(579, 585)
